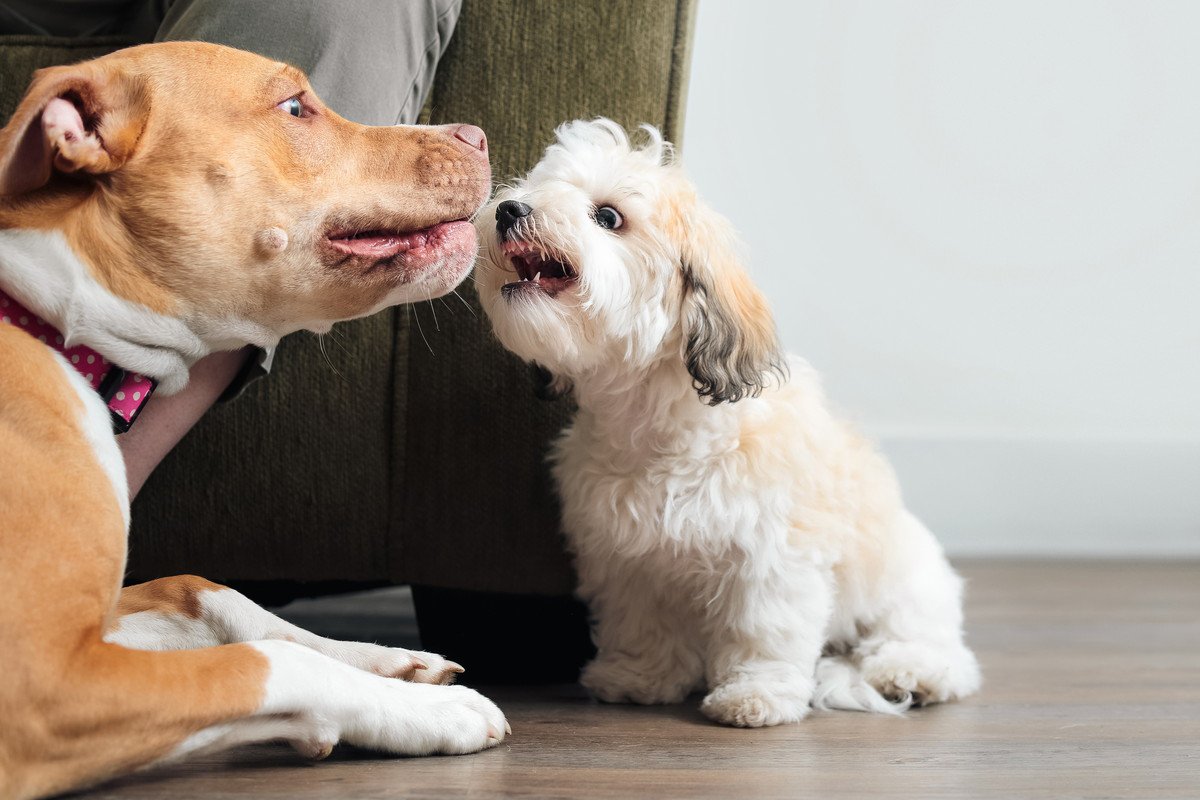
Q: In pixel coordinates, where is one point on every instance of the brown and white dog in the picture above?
(159, 204)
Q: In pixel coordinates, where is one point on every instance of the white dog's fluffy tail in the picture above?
(841, 686)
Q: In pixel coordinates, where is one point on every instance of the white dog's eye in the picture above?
(608, 217)
(292, 106)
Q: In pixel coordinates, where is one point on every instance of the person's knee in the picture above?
(372, 61)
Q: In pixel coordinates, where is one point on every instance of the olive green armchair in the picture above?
(408, 447)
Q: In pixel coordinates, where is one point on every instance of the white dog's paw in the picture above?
(395, 662)
(921, 674)
(749, 703)
(626, 680)
(414, 719)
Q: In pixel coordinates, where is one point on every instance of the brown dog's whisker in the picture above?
(325, 355)
(436, 327)
(415, 315)
(464, 302)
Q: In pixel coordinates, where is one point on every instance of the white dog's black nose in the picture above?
(509, 213)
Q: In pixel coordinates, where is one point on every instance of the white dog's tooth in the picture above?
(537, 277)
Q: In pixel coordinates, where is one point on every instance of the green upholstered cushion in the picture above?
(480, 512)
(20, 56)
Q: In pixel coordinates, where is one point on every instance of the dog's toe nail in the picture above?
(455, 667)
(314, 750)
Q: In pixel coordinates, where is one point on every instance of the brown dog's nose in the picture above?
(475, 137)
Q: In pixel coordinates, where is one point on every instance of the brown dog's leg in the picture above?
(106, 710)
(186, 612)
(76, 709)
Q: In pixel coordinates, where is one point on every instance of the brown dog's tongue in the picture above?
(416, 249)
(382, 244)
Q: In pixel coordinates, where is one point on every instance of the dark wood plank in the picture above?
(1092, 690)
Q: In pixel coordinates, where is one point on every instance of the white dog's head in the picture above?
(604, 261)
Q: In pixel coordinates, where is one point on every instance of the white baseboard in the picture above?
(995, 497)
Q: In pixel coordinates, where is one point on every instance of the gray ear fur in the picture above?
(731, 348)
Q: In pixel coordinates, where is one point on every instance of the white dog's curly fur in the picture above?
(730, 534)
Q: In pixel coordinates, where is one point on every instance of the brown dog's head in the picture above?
(210, 184)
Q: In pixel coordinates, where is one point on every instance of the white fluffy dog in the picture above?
(730, 534)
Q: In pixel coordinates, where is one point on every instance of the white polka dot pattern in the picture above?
(132, 389)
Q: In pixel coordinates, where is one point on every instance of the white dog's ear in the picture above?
(730, 345)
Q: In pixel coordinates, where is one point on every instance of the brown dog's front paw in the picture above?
(434, 669)
(395, 662)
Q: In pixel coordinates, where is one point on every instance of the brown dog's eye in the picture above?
(292, 106)
(608, 217)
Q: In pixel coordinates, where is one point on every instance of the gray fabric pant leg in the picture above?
(372, 61)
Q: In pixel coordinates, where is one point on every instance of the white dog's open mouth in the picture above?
(537, 270)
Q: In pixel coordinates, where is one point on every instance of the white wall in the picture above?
(981, 221)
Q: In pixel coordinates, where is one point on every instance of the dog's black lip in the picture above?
(517, 288)
(546, 286)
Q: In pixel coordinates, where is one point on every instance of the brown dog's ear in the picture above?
(79, 119)
(730, 345)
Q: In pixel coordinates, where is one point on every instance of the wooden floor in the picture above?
(1092, 689)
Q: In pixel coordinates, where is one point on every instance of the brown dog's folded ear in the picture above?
(81, 119)
(730, 345)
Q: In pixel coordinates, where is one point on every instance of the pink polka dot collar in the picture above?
(125, 392)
